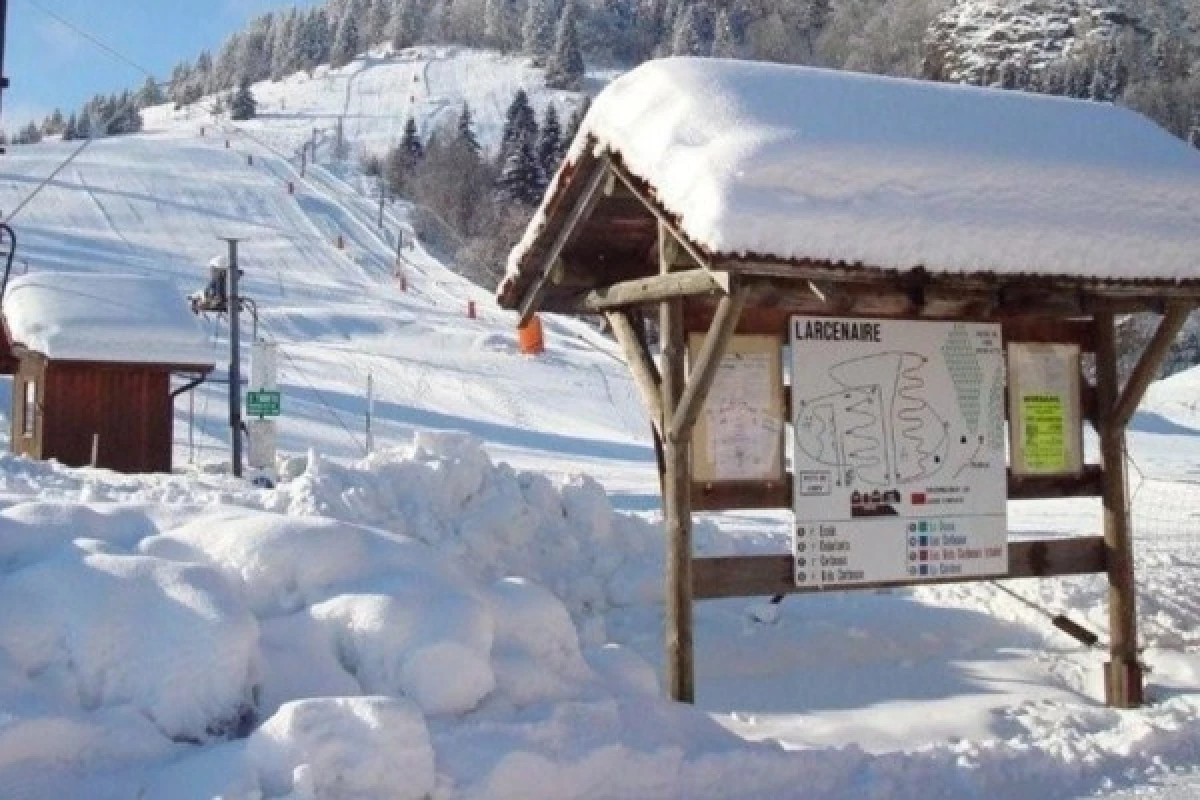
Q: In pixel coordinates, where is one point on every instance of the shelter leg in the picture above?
(678, 514)
(1123, 678)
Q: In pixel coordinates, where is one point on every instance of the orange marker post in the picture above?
(530, 339)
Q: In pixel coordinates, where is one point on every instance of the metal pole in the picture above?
(370, 412)
(235, 361)
(3, 31)
(382, 192)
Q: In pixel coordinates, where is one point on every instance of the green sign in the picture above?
(263, 404)
(1045, 432)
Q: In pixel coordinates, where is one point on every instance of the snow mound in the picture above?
(345, 747)
(100, 631)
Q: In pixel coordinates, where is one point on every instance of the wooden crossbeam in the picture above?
(771, 575)
(654, 289)
(1147, 366)
(579, 211)
(778, 495)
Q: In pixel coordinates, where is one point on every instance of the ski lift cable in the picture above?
(112, 118)
(78, 31)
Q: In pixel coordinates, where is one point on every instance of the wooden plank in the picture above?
(641, 365)
(771, 575)
(643, 291)
(1123, 672)
(1147, 366)
(734, 496)
(579, 211)
(707, 360)
(677, 512)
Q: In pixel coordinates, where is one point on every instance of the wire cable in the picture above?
(78, 31)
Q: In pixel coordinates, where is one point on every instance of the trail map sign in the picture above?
(899, 450)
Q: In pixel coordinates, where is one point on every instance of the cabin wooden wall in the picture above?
(129, 407)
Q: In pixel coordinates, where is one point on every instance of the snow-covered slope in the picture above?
(464, 615)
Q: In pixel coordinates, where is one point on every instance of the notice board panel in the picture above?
(739, 433)
(899, 457)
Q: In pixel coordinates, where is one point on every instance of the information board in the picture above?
(899, 450)
(1045, 409)
(739, 433)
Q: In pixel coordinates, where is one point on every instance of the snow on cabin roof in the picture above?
(794, 163)
(100, 317)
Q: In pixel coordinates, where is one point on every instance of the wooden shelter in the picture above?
(730, 197)
(92, 359)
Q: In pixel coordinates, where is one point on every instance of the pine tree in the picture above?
(411, 145)
(565, 68)
(725, 39)
(314, 40)
(549, 145)
(520, 126)
(71, 130)
(520, 178)
(347, 42)
(285, 46)
(498, 27)
(379, 15)
(150, 94)
(466, 131)
(537, 33)
(688, 38)
(403, 29)
(243, 106)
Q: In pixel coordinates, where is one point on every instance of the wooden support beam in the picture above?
(771, 575)
(1123, 684)
(579, 211)
(1147, 366)
(665, 223)
(641, 365)
(643, 291)
(677, 511)
(778, 495)
(704, 370)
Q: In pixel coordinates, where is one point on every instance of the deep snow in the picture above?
(477, 614)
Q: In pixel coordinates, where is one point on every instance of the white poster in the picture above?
(899, 450)
(739, 435)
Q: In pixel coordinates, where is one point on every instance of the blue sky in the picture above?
(50, 66)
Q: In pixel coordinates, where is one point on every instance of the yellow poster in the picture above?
(1045, 418)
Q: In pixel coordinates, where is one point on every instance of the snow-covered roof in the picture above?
(797, 164)
(100, 317)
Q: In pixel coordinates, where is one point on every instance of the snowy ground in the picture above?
(477, 614)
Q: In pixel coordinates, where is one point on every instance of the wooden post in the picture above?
(1123, 672)
(677, 512)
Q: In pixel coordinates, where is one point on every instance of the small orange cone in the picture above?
(529, 337)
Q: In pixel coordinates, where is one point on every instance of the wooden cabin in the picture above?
(736, 200)
(94, 358)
